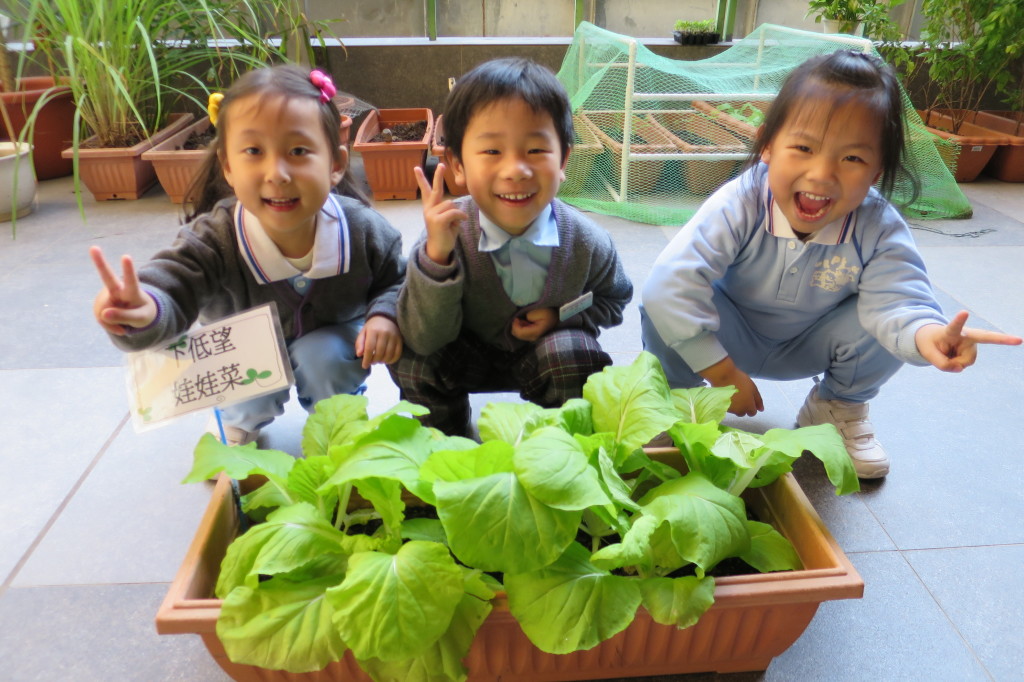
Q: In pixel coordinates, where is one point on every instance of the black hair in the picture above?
(841, 77)
(288, 81)
(497, 79)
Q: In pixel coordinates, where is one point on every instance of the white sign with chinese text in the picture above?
(230, 361)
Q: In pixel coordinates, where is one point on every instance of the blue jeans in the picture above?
(855, 365)
(324, 363)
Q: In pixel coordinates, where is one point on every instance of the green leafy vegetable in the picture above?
(581, 523)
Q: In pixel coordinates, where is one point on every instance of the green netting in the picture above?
(691, 124)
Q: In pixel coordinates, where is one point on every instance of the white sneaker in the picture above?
(233, 434)
(851, 420)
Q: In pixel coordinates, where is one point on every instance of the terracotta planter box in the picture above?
(1015, 117)
(437, 148)
(647, 138)
(54, 126)
(976, 144)
(120, 172)
(1007, 163)
(176, 166)
(754, 618)
(695, 132)
(389, 165)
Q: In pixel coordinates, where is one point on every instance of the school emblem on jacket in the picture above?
(833, 274)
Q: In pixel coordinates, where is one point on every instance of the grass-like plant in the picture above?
(130, 62)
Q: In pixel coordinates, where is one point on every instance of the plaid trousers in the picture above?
(547, 372)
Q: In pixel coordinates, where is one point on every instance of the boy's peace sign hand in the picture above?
(953, 347)
(120, 304)
(441, 215)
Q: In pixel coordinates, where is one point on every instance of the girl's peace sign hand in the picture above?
(954, 347)
(441, 215)
(120, 304)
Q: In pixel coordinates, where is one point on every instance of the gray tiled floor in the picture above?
(94, 522)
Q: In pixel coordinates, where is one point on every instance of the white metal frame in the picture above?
(628, 156)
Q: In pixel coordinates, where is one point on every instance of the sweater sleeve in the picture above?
(677, 296)
(181, 278)
(430, 301)
(895, 296)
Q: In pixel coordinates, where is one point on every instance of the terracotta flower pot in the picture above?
(389, 165)
(176, 166)
(694, 132)
(54, 125)
(120, 172)
(976, 145)
(754, 617)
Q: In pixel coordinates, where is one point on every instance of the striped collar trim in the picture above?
(331, 246)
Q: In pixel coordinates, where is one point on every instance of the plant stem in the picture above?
(344, 493)
(741, 483)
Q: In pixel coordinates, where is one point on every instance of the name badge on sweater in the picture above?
(576, 306)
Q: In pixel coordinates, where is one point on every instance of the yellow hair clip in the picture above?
(213, 106)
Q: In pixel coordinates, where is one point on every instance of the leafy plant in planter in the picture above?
(562, 506)
(697, 32)
(971, 47)
(134, 63)
(871, 17)
(745, 112)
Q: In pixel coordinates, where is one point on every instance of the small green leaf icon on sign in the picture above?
(252, 375)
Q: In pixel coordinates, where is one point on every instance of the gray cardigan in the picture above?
(438, 301)
(202, 276)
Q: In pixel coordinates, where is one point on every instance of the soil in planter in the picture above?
(200, 140)
(403, 132)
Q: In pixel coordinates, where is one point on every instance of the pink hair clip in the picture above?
(324, 82)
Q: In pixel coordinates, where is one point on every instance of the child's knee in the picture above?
(567, 357)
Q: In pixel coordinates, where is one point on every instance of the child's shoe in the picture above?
(851, 419)
(233, 434)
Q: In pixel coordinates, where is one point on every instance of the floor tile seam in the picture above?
(948, 617)
(987, 545)
(910, 550)
(62, 506)
(949, 620)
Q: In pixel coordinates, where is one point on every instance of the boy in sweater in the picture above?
(508, 287)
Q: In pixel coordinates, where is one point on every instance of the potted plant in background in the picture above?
(970, 49)
(273, 31)
(605, 552)
(51, 107)
(699, 32)
(855, 17)
(134, 68)
(392, 142)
